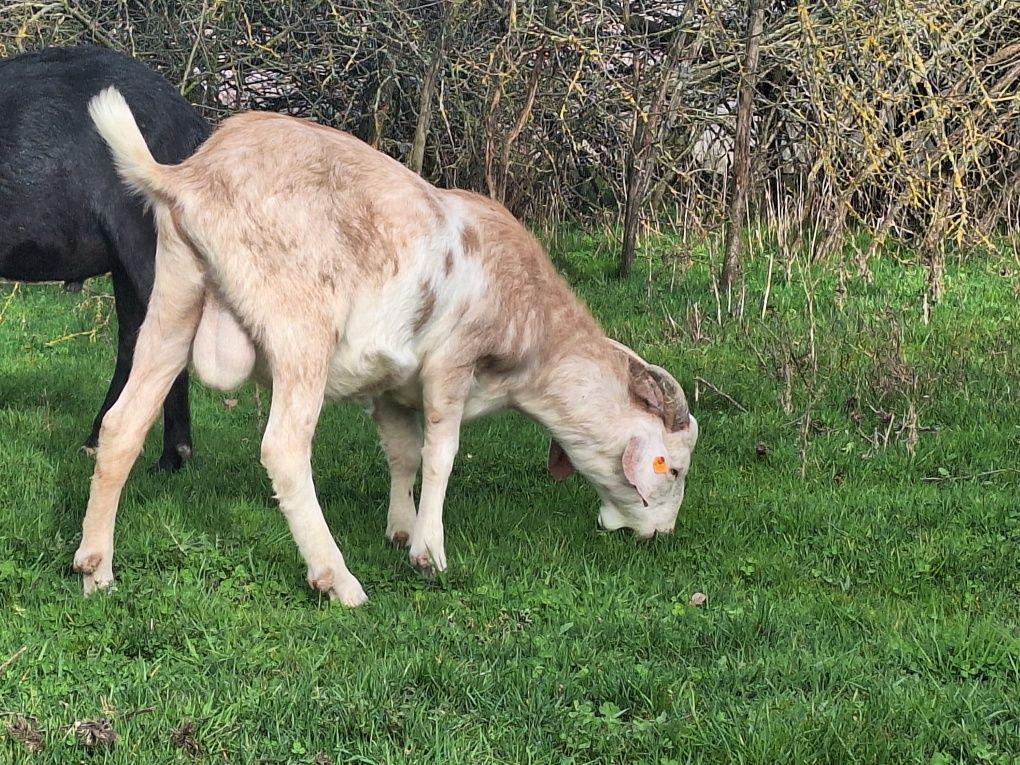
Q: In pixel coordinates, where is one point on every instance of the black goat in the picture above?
(64, 213)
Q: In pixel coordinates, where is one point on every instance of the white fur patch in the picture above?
(380, 348)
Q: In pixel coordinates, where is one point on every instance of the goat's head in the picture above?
(640, 465)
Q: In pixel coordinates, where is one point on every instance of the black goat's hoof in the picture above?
(173, 460)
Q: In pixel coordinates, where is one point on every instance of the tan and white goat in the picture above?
(299, 251)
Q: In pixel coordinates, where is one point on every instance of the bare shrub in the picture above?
(898, 119)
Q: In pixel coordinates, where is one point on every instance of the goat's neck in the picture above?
(578, 395)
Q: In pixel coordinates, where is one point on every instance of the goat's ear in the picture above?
(646, 465)
(559, 463)
(644, 387)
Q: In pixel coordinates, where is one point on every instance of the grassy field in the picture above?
(852, 516)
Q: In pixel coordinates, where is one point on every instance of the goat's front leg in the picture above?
(401, 438)
(298, 388)
(161, 352)
(444, 410)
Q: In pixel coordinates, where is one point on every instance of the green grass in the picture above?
(856, 531)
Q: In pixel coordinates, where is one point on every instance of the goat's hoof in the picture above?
(399, 538)
(92, 583)
(429, 561)
(173, 459)
(346, 589)
(96, 570)
(86, 562)
(351, 596)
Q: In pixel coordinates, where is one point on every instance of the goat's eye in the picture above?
(674, 472)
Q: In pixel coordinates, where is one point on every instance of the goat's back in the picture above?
(331, 228)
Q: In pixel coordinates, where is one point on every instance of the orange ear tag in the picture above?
(659, 465)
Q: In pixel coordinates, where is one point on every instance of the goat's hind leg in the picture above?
(299, 383)
(401, 438)
(176, 420)
(160, 354)
(130, 315)
(134, 269)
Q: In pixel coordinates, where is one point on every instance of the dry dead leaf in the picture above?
(25, 731)
(185, 738)
(95, 734)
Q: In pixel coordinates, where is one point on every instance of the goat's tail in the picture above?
(131, 156)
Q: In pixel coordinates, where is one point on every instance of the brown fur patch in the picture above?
(448, 263)
(326, 280)
(425, 308)
(469, 239)
(222, 189)
(435, 209)
(495, 365)
(175, 216)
